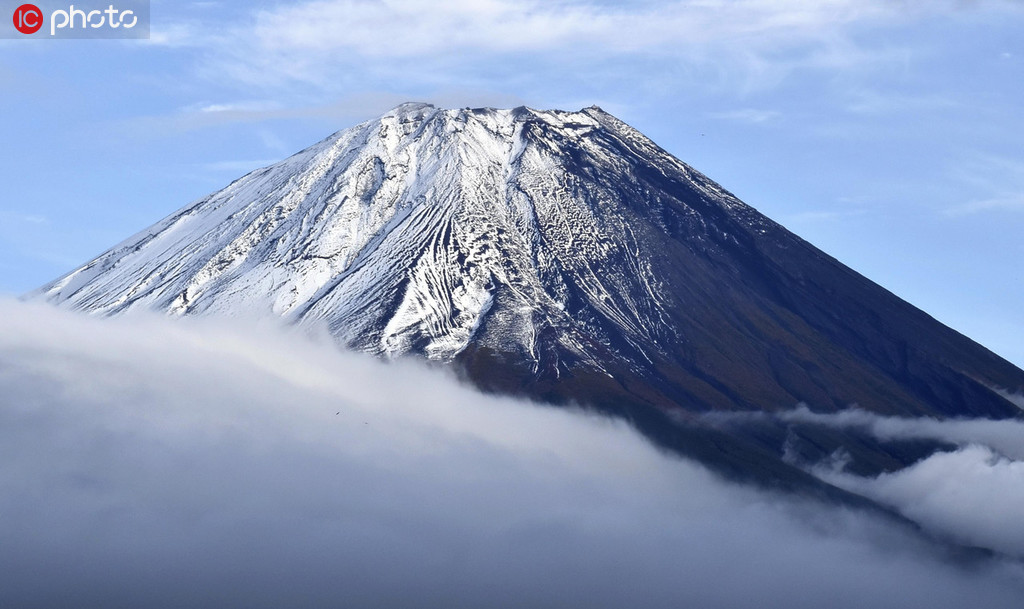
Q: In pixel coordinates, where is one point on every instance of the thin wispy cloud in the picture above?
(14, 218)
(748, 115)
(998, 179)
(173, 35)
(867, 101)
(240, 166)
(238, 106)
(342, 110)
(1014, 202)
(155, 463)
(822, 216)
(1014, 397)
(206, 114)
(290, 43)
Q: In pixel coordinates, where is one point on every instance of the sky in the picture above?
(886, 132)
(156, 462)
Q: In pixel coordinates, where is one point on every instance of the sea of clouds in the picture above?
(146, 462)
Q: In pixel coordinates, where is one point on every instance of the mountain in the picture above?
(562, 256)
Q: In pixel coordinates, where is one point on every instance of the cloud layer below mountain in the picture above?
(147, 462)
(973, 495)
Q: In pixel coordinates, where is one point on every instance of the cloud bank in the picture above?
(147, 462)
(974, 495)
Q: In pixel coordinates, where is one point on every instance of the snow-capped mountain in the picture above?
(420, 231)
(561, 255)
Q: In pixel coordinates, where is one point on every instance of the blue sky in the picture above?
(886, 132)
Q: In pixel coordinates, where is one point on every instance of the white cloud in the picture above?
(973, 495)
(322, 41)
(151, 463)
(417, 27)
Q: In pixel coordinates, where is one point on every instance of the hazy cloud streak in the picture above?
(1006, 437)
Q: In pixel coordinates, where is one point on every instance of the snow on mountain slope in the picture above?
(400, 233)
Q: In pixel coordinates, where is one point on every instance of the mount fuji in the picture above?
(565, 257)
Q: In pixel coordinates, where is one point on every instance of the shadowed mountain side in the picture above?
(759, 319)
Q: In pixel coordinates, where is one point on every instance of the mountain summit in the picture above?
(561, 255)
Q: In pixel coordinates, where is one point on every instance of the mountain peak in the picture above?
(418, 111)
(410, 111)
